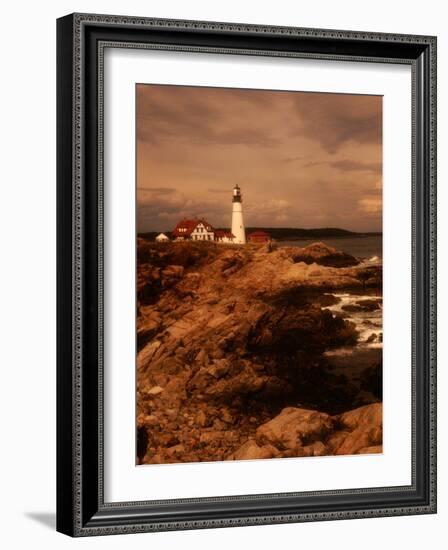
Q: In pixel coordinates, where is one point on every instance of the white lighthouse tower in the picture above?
(237, 217)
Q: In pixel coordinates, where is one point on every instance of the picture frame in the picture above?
(81, 506)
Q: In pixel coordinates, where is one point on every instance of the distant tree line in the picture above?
(295, 233)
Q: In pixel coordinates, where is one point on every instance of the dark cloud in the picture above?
(162, 213)
(178, 113)
(355, 166)
(335, 119)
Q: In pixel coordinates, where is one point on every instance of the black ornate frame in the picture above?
(81, 39)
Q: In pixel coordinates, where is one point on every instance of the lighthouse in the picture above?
(237, 217)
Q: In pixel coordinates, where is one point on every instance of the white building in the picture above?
(194, 230)
(162, 238)
(225, 237)
(203, 232)
(238, 229)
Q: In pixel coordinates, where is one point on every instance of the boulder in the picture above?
(371, 450)
(370, 304)
(352, 308)
(366, 429)
(287, 329)
(369, 415)
(294, 428)
(251, 451)
(325, 300)
(316, 449)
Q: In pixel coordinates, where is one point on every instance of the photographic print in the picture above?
(259, 274)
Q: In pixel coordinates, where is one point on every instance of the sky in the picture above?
(301, 159)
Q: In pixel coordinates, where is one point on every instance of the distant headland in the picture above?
(291, 233)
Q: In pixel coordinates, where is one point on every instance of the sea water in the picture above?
(369, 247)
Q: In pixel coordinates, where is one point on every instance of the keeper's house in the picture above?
(193, 230)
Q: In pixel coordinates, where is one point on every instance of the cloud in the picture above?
(356, 166)
(162, 212)
(266, 213)
(292, 159)
(156, 190)
(218, 191)
(346, 165)
(178, 113)
(371, 205)
(335, 119)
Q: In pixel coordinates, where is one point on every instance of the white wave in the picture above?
(368, 323)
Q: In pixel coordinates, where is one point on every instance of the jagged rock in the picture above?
(219, 368)
(202, 357)
(244, 383)
(226, 416)
(173, 272)
(148, 325)
(210, 436)
(145, 356)
(234, 335)
(175, 450)
(201, 419)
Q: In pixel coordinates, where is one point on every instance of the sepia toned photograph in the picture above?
(259, 325)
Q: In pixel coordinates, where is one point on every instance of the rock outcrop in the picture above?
(322, 254)
(300, 432)
(231, 350)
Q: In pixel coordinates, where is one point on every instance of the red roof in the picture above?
(186, 227)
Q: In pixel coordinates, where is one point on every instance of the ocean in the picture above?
(360, 247)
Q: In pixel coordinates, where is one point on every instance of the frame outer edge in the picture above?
(65, 435)
(70, 518)
(221, 26)
(433, 273)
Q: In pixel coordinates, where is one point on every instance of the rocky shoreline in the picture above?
(241, 354)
